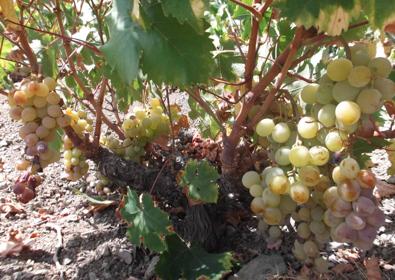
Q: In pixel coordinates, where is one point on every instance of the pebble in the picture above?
(67, 261)
(125, 256)
(262, 267)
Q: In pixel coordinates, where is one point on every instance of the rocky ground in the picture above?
(93, 243)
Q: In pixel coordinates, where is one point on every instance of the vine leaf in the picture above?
(149, 224)
(191, 263)
(174, 52)
(361, 147)
(190, 12)
(200, 179)
(122, 51)
(165, 49)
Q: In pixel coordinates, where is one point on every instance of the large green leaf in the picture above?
(149, 224)
(123, 51)
(181, 262)
(331, 15)
(200, 178)
(165, 49)
(186, 11)
(172, 52)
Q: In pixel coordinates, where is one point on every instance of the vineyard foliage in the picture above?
(283, 98)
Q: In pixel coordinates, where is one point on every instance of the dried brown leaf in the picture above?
(372, 268)
(343, 268)
(11, 208)
(15, 244)
(383, 189)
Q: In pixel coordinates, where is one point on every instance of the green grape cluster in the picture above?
(38, 107)
(326, 201)
(75, 164)
(142, 128)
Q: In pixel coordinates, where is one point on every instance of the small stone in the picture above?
(3, 185)
(391, 180)
(4, 143)
(151, 268)
(74, 243)
(67, 261)
(41, 272)
(106, 275)
(262, 267)
(125, 256)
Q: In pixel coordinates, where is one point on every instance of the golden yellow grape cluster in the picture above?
(38, 107)
(75, 163)
(143, 127)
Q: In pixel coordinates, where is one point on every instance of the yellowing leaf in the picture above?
(9, 14)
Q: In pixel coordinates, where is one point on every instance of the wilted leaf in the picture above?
(372, 269)
(11, 208)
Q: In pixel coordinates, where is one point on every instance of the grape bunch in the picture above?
(314, 179)
(142, 128)
(38, 107)
(75, 163)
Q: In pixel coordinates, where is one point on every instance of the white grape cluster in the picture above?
(144, 126)
(326, 201)
(75, 164)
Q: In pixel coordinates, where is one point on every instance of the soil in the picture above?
(94, 242)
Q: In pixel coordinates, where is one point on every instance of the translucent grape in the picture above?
(279, 184)
(50, 83)
(42, 132)
(366, 128)
(308, 93)
(299, 156)
(376, 219)
(310, 249)
(359, 76)
(324, 94)
(53, 98)
(385, 86)
(298, 251)
(317, 213)
(344, 233)
(22, 164)
(256, 190)
(366, 179)
(275, 232)
(367, 234)
(323, 184)
(380, 66)
(54, 111)
(16, 113)
(31, 139)
(359, 56)
(265, 127)
(309, 175)
(307, 127)
(349, 190)
(304, 214)
(287, 205)
(281, 156)
(317, 227)
(272, 216)
(349, 168)
(363, 206)
(299, 193)
(20, 97)
(321, 265)
(281, 133)
(28, 114)
(348, 112)
(303, 230)
(355, 221)
(331, 220)
(343, 91)
(250, 178)
(269, 173)
(326, 115)
(369, 100)
(270, 199)
(341, 208)
(339, 69)
(319, 155)
(48, 122)
(333, 141)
